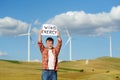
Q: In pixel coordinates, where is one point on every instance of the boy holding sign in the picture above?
(49, 56)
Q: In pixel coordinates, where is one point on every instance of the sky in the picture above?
(89, 23)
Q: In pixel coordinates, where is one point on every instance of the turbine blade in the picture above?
(33, 42)
(23, 34)
(67, 41)
(29, 29)
(68, 34)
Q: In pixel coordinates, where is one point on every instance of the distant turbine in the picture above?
(87, 61)
(110, 45)
(29, 38)
(70, 44)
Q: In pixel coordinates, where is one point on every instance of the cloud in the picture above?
(11, 26)
(3, 53)
(35, 30)
(36, 22)
(81, 23)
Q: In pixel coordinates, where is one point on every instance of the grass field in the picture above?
(104, 68)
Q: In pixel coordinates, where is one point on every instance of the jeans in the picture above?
(49, 75)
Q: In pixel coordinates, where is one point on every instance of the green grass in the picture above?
(104, 68)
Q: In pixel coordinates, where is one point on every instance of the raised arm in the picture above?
(40, 44)
(59, 43)
(40, 36)
(58, 36)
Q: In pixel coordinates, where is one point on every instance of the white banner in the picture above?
(49, 29)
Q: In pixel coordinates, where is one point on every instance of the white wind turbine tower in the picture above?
(110, 45)
(28, 34)
(70, 43)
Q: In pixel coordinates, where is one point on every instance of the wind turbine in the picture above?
(29, 38)
(110, 45)
(87, 61)
(70, 43)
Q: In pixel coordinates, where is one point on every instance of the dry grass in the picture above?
(99, 69)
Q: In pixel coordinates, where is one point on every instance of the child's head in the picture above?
(49, 42)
